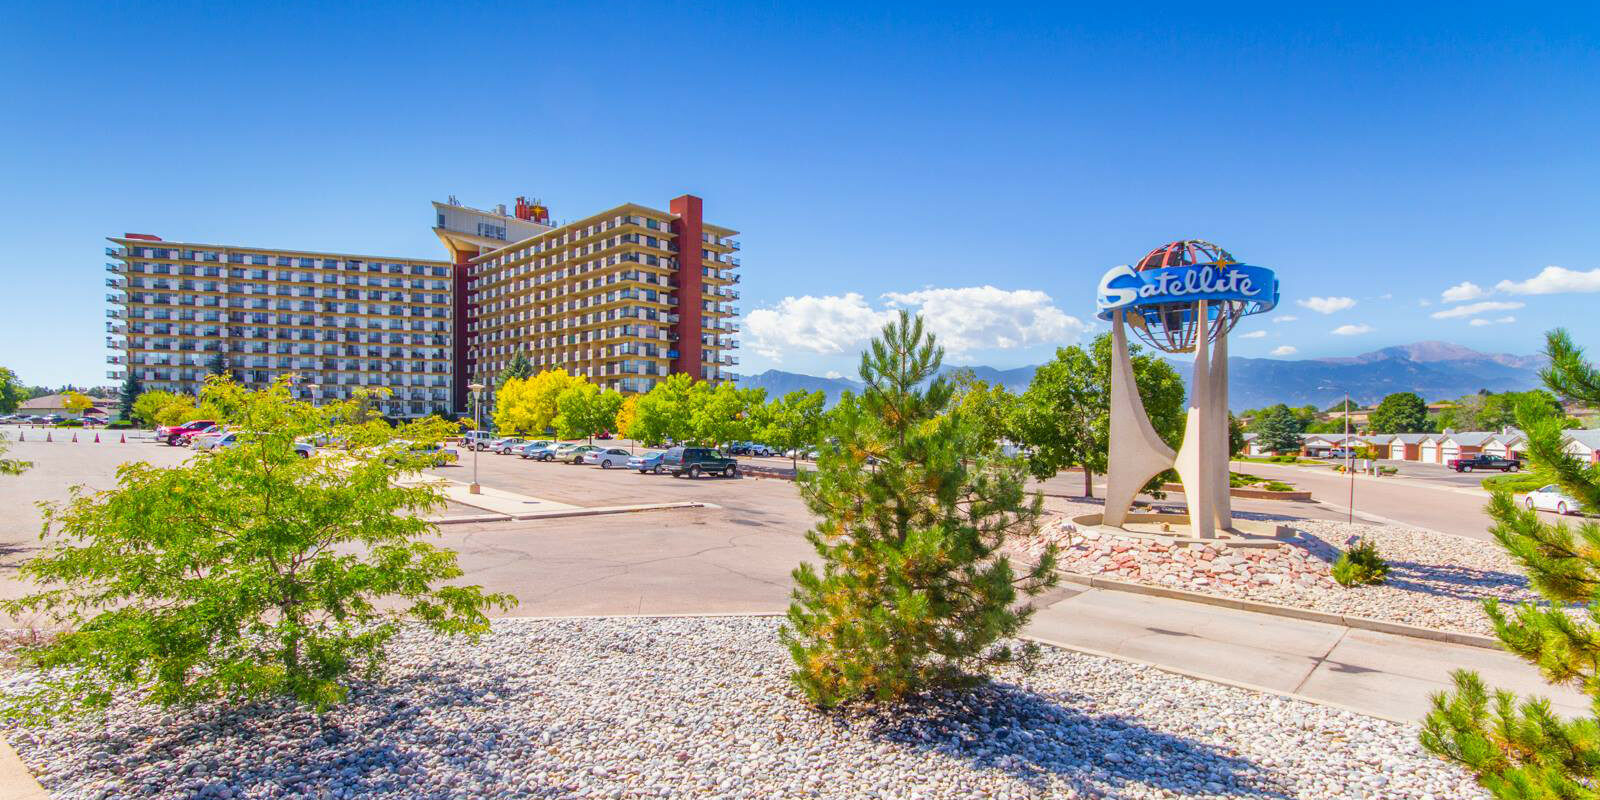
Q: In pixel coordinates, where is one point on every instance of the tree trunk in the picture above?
(1088, 483)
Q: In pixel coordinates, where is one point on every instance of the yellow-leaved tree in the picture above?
(77, 402)
(528, 405)
(626, 416)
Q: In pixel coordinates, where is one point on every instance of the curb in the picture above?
(1274, 609)
(603, 510)
(596, 511)
(1247, 493)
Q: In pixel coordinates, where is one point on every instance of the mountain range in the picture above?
(1435, 370)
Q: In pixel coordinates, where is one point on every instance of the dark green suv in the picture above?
(697, 461)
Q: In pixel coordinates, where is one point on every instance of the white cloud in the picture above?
(827, 324)
(1351, 330)
(1284, 350)
(1482, 321)
(1462, 292)
(1327, 305)
(1424, 302)
(833, 373)
(986, 318)
(1554, 280)
(965, 319)
(1386, 296)
(1285, 318)
(1253, 335)
(1474, 309)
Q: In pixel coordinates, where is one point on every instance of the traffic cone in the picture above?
(22, 436)
(96, 437)
(74, 437)
(47, 436)
(124, 439)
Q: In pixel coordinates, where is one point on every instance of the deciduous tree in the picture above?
(1401, 412)
(794, 421)
(12, 392)
(528, 405)
(1065, 415)
(76, 402)
(912, 509)
(245, 572)
(667, 411)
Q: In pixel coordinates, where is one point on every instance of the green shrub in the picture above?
(1360, 565)
(1284, 459)
(245, 574)
(1513, 483)
(119, 425)
(1388, 470)
(70, 423)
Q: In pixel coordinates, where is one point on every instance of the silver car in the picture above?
(607, 457)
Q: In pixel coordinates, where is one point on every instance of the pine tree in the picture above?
(913, 507)
(1278, 430)
(519, 368)
(131, 389)
(1523, 750)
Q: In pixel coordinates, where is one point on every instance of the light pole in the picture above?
(311, 390)
(477, 419)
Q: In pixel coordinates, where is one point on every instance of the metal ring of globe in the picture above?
(1162, 294)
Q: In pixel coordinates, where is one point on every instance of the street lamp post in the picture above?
(477, 419)
(311, 391)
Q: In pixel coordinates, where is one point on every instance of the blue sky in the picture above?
(983, 163)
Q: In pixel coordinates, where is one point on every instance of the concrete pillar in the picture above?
(1222, 502)
(1195, 461)
(1137, 453)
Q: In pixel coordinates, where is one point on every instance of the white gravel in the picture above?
(701, 707)
(1435, 581)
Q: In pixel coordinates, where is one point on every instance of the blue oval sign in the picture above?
(1125, 287)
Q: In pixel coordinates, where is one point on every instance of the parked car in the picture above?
(170, 433)
(441, 455)
(205, 440)
(187, 439)
(576, 454)
(647, 462)
(507, 445)
(1481, 461)
(477, 440)
(1551, 498)
(697, 461)
(539, 451)
(231, 439)
(607, 457)
(1340, 453)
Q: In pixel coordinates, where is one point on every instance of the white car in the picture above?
(607, 457)
(231, 438)
(1551, 498)
(508, 445)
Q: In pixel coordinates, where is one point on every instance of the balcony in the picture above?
(115, 283)
(114, 266)
(114, 313)
(731, 244)
(113, 298)
(116, 375)
(115, 252)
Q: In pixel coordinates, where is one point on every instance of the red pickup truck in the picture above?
(174, 434)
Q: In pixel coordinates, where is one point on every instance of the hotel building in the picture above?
(609, 297)
(624, 297)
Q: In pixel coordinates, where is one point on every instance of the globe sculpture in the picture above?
(1182, 297)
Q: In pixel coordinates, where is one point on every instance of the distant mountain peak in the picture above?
(1436, 352)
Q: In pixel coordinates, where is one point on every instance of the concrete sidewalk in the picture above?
(1374, 673)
